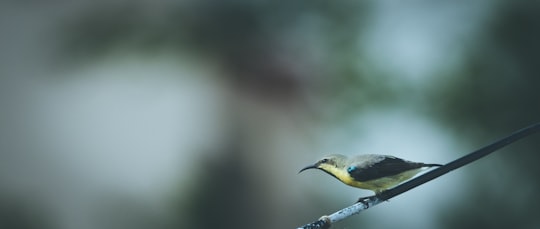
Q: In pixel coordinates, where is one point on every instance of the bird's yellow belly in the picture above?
(380, 184)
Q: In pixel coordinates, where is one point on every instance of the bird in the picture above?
(373, 172)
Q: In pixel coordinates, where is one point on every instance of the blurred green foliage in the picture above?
(497, 91)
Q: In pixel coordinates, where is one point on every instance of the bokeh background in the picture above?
(199, 114)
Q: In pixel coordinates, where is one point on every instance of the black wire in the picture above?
(517, 135)
(388, 194)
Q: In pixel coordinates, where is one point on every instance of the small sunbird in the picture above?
(369, 171)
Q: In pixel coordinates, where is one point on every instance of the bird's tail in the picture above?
(431, 165)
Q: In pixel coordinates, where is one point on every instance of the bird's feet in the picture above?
(365, 200)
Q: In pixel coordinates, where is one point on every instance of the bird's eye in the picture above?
(324, 160)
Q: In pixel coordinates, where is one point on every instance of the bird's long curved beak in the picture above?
(308, 167)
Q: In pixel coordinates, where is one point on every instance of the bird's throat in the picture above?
(340, 174)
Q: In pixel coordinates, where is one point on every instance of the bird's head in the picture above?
(330, 164)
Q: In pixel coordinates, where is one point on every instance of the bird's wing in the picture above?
(381, 166)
